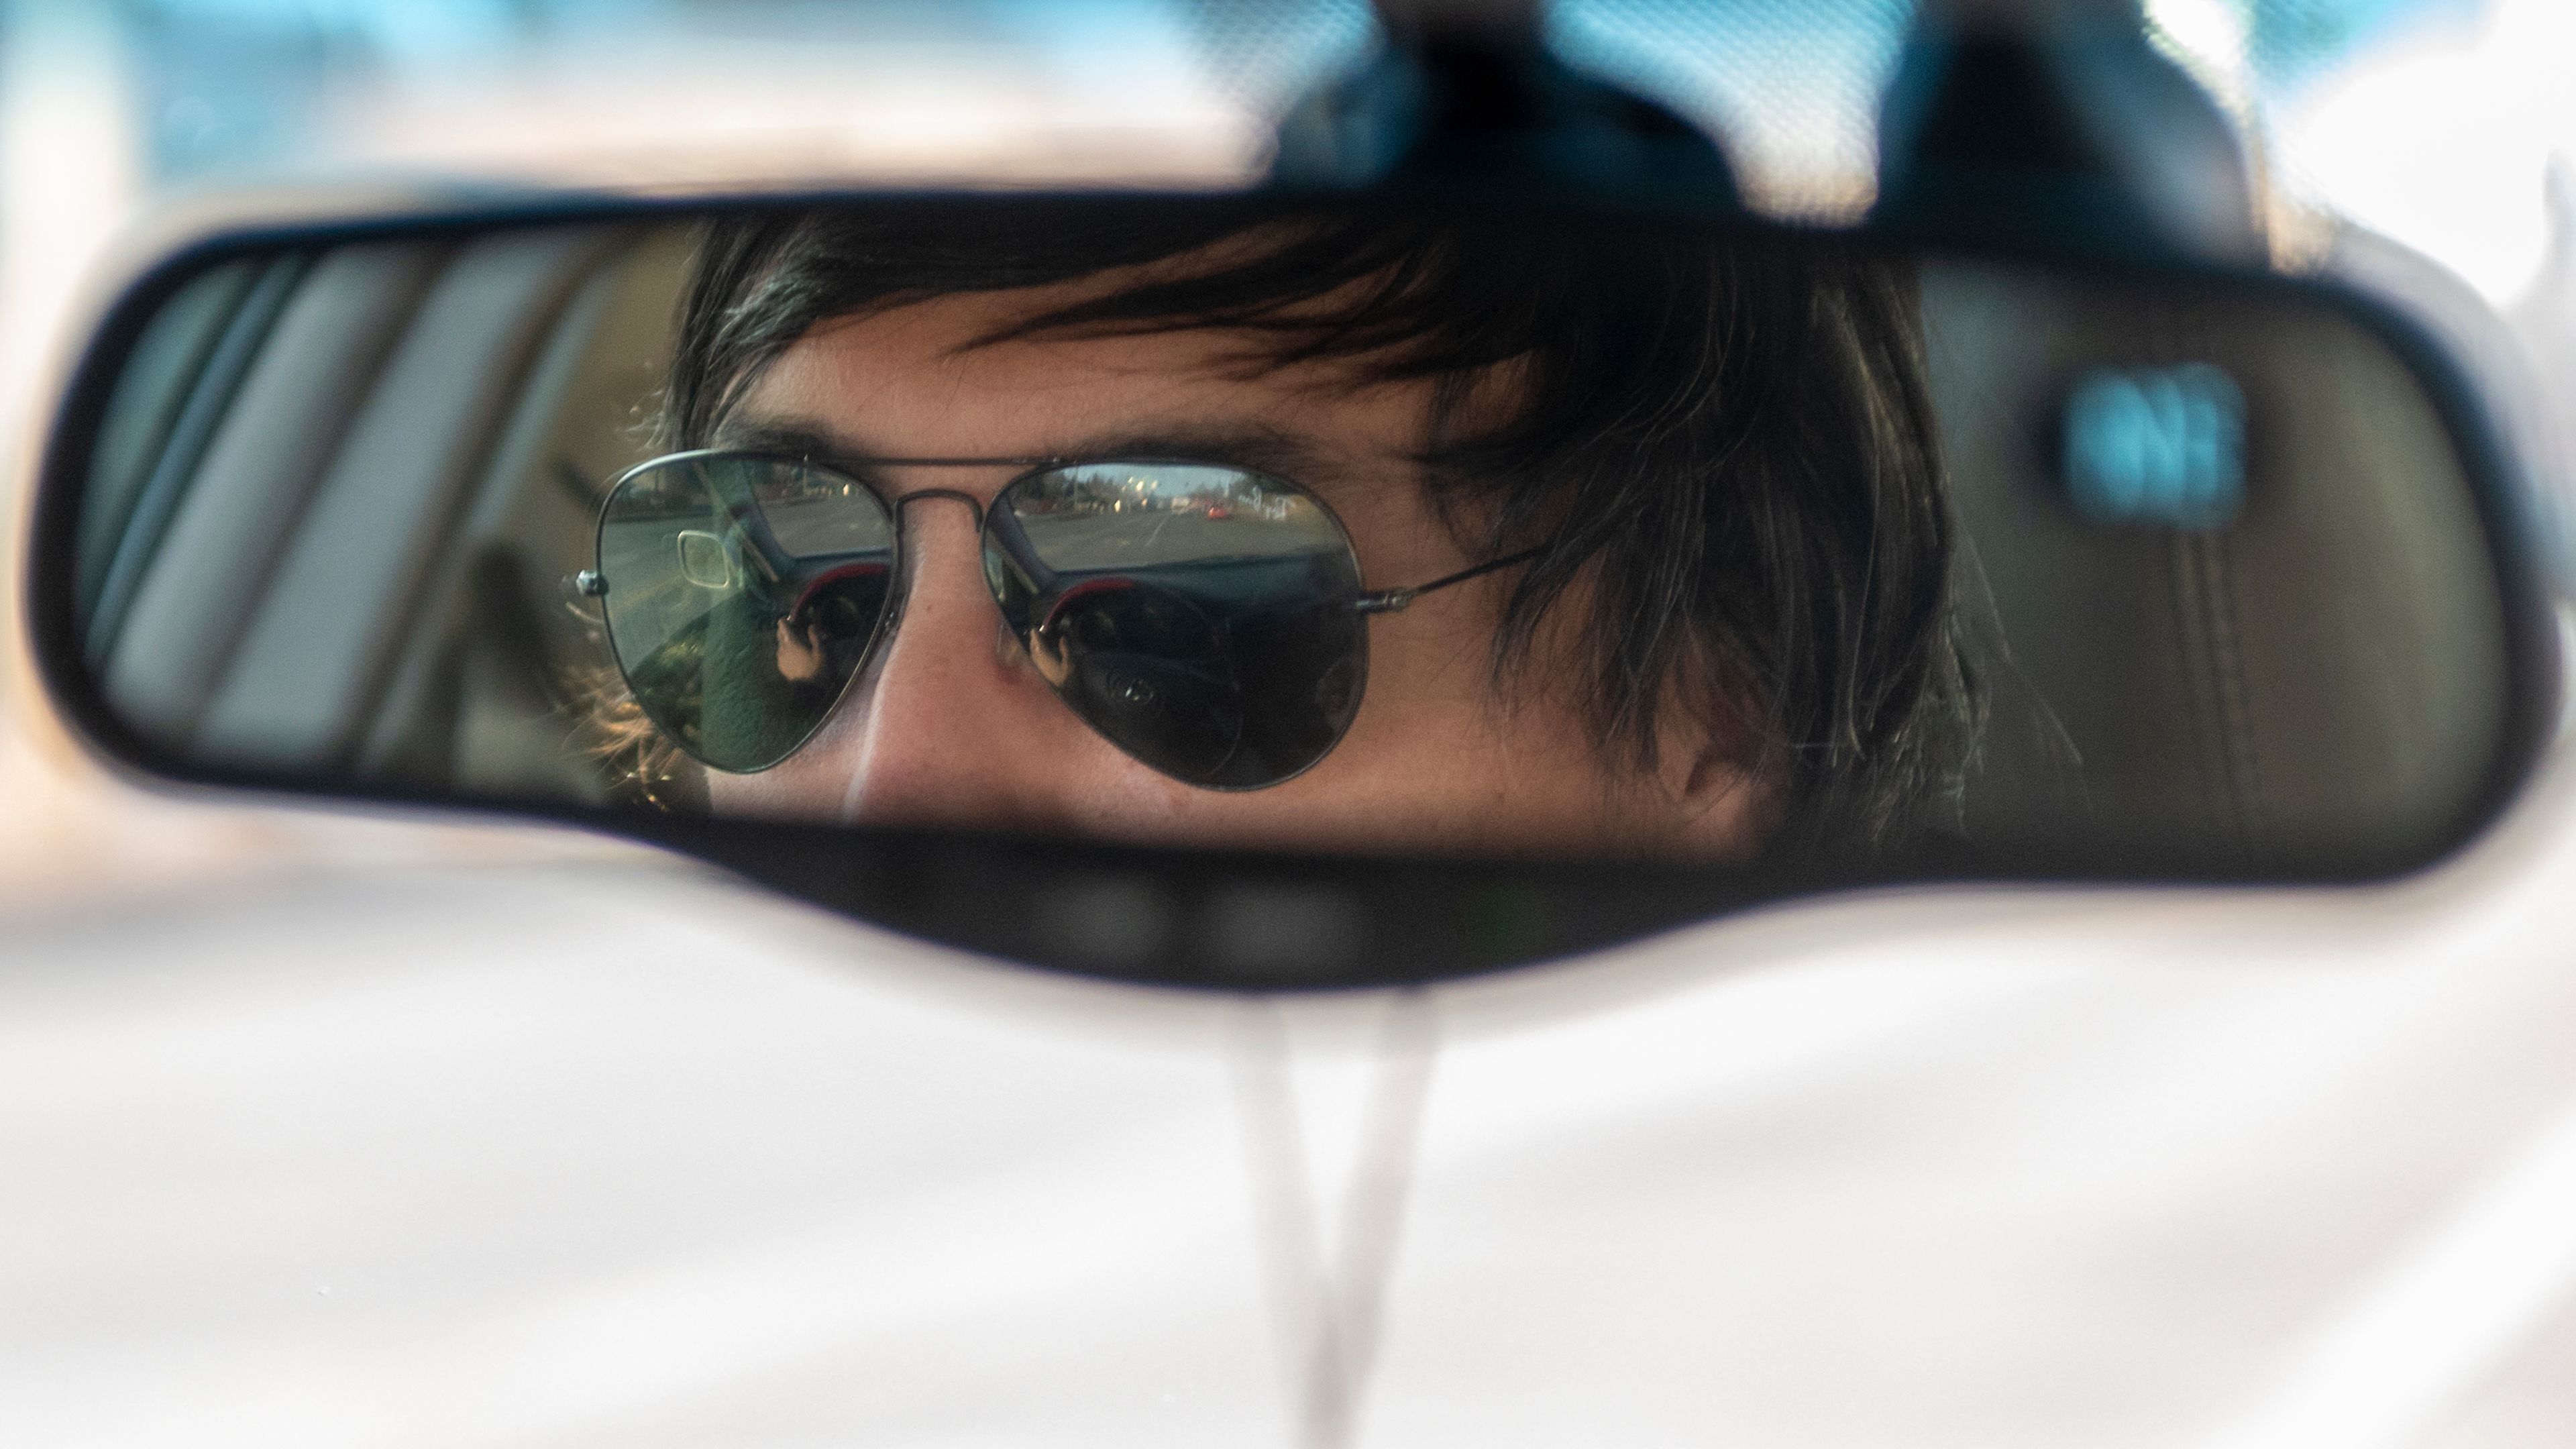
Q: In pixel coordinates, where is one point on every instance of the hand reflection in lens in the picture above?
(800, 651)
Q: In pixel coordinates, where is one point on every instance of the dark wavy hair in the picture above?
(1722, 445)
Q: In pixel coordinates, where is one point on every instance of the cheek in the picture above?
(1437, 740)
(1429, 681)
(811, 785)
(806, 786)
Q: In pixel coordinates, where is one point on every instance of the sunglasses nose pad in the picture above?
(1148, 669)
(704, 559)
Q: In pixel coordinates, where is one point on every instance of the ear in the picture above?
(1726, 781)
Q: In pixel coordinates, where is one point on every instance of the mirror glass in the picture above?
(1332, 529)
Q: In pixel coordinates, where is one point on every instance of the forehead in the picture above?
(921, 379)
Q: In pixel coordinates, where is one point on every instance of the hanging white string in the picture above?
(1328, 1315)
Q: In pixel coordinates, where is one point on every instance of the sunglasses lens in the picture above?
(1197, 616)
(742, 595)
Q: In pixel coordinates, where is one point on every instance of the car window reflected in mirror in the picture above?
(1344, 531)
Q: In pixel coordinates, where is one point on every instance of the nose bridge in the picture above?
(974, 505)
(924, 541)
(953, 728)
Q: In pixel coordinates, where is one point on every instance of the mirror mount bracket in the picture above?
(1464, 100)
(2057, 123)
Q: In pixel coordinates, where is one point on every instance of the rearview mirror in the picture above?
(1276, 593)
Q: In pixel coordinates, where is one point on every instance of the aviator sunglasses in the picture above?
(1206, 619)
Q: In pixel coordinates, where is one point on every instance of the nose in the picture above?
(953, 726)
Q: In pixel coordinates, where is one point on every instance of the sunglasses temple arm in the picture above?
(1389, 601)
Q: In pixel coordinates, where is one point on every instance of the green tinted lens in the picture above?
(1199, 617)
(741, 595)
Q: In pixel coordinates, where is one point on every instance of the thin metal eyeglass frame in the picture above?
(591, 584)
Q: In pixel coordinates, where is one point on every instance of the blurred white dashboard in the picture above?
(610, 1151)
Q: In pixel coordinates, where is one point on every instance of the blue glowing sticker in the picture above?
(2162, 446)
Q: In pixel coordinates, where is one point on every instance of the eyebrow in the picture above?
(1258, 448)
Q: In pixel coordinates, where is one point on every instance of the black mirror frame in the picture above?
(1246, 920)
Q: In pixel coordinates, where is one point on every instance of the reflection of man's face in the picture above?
(954, 725)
